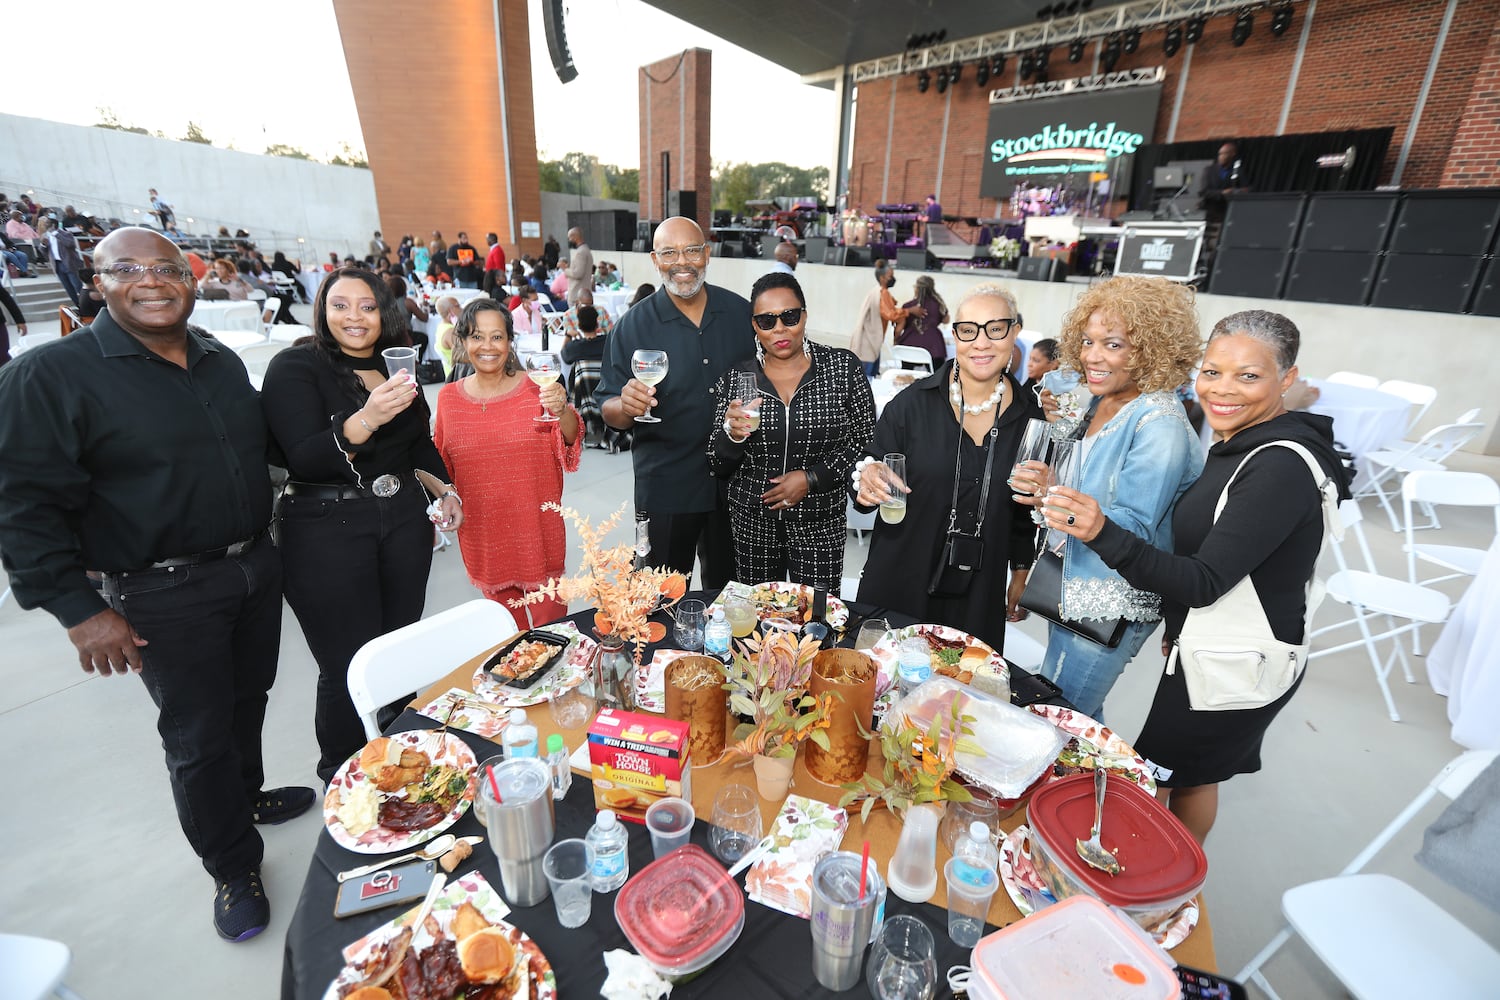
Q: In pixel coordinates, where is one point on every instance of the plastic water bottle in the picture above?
(972, 881)
(716, 636)
(557, 763)
(520, 735)
(611, 861)
(976, 855)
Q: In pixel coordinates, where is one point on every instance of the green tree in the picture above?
(108, 119)
(621, 184)
(195, 134)
(348, 156)
(737, 183)
(290, 152)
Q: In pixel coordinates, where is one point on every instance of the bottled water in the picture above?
(611, 862)
(520, 735)
(716, 636)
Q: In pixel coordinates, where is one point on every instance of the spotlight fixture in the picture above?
(1243, 26)
(1075, 51)
(1132, 41)
(1172, 40)
(1281, 20)
(1194, 30)
(1111, 54)
(923, 80)
(942, 81)
(1028, 65)
(982, 72)
(997, 64)
(1041, 64)
(955, 72)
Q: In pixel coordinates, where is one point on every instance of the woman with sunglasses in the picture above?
(958, 430)
(1135, 340)
(787, 445)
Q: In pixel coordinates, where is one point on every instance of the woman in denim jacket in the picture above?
(1134, 340)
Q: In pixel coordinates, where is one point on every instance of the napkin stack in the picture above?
(805, 831)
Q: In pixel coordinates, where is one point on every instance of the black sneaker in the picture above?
(241, 909)
(281, 804)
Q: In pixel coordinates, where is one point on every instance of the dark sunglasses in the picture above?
(788, 317)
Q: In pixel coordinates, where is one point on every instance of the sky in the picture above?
(285, 81)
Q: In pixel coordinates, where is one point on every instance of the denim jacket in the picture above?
(1137, 466)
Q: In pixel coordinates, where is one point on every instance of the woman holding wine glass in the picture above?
(945, 560)
(1134, 340)
(790, 424)
(507, 461)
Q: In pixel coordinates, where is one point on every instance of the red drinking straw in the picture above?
(864, 870)
(494, 785)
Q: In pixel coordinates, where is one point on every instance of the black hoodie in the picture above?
(1271, 528)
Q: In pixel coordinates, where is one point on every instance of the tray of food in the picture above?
(526, 659)
(790, 602)
(400, 791)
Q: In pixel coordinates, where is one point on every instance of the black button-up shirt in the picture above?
(671, 458)
(112, 458)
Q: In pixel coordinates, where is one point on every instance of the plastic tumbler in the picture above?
(843, 921)
(671, 824)
(913, 868)
(520, 826)
(969, 892)
(567, 864)
(397, 358)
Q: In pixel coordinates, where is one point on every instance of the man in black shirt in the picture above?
(465, 263)
(705, 331)
(135, 450)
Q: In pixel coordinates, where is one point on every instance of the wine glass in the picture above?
(1067, 465)
(1030, 472)
(690, 618)
(649, 368)
(870, 633)
(544, 367)
(736, 822)
(746, 388)
(901, 964)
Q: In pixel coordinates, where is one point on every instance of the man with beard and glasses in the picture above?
(705, 331)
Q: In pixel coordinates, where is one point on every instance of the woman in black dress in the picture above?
(1271, 530)
(968, 417)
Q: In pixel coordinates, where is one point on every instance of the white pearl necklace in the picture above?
(956, 394)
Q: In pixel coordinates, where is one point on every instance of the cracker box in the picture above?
(637, 759)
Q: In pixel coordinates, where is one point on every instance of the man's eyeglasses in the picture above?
(693, 254)
(788, 317)
(995, 329)
(127, 273)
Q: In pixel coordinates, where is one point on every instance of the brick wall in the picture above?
(1363, 68)
(674, 104)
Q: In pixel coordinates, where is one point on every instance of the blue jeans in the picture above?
(17, 258)
(70, 283)
(1085, 670)
(872, 368)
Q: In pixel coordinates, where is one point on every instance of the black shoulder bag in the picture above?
(963, 553)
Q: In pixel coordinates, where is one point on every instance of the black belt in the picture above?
(328, 491)
(196, 559)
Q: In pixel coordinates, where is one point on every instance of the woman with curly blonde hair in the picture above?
(1133, 341)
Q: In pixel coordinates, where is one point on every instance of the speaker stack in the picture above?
(1438, 252)
(1338, 254)
(1041, 269)
(915, 259)
(683, 203)
(1255, 247)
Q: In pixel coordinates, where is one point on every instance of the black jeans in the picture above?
(213, 633)
(355, 569)
(677, 538)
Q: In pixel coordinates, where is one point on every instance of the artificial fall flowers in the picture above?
(767, 681)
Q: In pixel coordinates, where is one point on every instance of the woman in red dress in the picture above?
(506, 464)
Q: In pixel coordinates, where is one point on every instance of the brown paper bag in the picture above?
(703, 706)
(850, 676)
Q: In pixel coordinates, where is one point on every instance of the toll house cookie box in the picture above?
(636, 760)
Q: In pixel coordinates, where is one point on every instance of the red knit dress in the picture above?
(505, 465)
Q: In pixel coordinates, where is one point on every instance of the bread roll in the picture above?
(487, 956)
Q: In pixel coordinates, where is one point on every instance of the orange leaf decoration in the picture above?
(674, 587)
(655, 631)
(603, 624)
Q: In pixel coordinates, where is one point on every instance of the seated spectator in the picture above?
(280, 265)
(416, 314)
(449, 347)
(1043, 359)
(570, 318)
(196, 264)
(543, 289)
(526, 319)
(22, 235)
(226, 276)
(645, 291)
(558, 286)
(585, 354)
(14, 256)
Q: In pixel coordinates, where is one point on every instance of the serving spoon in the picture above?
(1091, 850)
(436, 849)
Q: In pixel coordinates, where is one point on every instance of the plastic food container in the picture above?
(1018, 746)
(1163, 865)
(681, 912)
(1076, 950)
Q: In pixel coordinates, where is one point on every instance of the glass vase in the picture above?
(610, 672)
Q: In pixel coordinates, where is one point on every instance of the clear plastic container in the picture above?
(1018, 746)
(681, 912)
(1076, 950)
(1162, 865)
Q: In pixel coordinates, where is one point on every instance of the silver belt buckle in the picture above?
(387, 485)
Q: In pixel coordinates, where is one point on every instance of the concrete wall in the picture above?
(1454, 353)
(104, 172)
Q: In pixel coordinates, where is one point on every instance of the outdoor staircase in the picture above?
(39, 297)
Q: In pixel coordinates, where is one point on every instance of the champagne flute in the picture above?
(893, 511)
(1067, 465)
(649, 368)
(746, 388)
(1029, 474)
(544, 367)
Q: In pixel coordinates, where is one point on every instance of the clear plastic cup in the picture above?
(671, 824)
(566, 865)
(969, 894)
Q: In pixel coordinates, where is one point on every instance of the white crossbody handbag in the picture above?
(1230, 658)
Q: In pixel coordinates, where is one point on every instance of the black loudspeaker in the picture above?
(645, 230)
(684, 203)
(858, 257)
(1487, 298)
(834, 256)
(1358, 222)
(1250, 272)
(1457, 223)
(557, 40)
(1263, 221)
(605, 229)
(1325, 276)
(1433, 282)
(914, 259)
(814, 248)
(1041, 269)
(729, 248)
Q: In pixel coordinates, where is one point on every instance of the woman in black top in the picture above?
(1271, 530)
(787, 474)
(968, 418)
(355, 539)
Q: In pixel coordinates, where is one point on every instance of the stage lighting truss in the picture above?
(1075, 50)
(1243, 26)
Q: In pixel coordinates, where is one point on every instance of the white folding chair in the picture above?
(912, 355)
(1451, 489)
(393, 664)
(1419, 396)
(857, 522)
(1424, 455)
(32, 968)
(269, 309)
(1354, 378)
(1370, 596)
(1381, 938)
(257, 357)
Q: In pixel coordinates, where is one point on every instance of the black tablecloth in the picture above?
(772, 959)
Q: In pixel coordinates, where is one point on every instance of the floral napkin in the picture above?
(470, 713)
(805, 830)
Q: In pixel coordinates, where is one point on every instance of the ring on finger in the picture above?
(1072, 519)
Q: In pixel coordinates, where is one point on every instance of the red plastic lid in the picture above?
(682, 911)
(1161, 860)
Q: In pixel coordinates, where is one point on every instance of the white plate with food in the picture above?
(463, 944)
(791, 602)
(1091, 744)
(953, 653)
(400, 791)
(565, 675)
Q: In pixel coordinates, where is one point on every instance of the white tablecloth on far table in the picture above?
(613, 299)
(311, 280)
(1464, 663)
(223, 315)
(1364, 420)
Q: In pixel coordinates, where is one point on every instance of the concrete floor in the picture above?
(90, 851)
